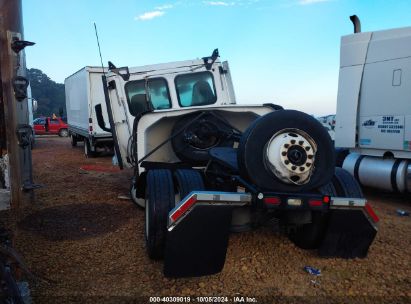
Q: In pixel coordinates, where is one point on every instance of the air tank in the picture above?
(388, 174)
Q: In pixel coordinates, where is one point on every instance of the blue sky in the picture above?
(280, 51)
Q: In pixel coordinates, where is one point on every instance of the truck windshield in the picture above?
(195, 89)
(158, 94)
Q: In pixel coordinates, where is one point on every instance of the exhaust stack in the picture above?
(357, 23)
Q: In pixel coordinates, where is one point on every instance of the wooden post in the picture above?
(12, 64)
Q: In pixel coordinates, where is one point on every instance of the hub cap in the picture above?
(290, 155)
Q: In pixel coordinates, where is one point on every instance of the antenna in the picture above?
(99, 49)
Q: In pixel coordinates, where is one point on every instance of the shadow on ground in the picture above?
(76, 221)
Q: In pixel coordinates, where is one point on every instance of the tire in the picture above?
(188, 180)
(159, 201)
(346, 185)
(63, 133)
(310, 236)
(192, 145)
(73, 140)
(252, 155)
(87, 149)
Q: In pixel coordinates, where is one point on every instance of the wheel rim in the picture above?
(290, 156)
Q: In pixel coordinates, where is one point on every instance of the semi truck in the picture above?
(84, 90)
(373, 119)
(205, 166)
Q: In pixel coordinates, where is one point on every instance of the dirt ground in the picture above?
(87, 246)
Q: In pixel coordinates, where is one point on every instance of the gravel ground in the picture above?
(87, 246)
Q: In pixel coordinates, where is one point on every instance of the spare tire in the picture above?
(192, 141)
(286, 151)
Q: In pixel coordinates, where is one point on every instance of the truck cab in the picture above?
(204, 166)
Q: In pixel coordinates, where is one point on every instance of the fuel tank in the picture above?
(388, 174)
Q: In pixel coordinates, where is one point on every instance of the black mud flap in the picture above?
(197, 246)
(349, 235)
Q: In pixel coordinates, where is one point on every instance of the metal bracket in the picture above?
(24, 134)
(17, 45)
(20, 85)
(213, 58)
(27, 186)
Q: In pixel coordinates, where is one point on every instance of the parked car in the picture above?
(49, 125)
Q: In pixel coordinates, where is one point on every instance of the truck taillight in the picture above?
(315, 203)
(183, 208)
(90, 128)
(272, 200)
(371, 213)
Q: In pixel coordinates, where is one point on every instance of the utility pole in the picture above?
(14, 103)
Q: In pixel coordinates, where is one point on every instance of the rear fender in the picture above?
(351, 229)
(198, 231)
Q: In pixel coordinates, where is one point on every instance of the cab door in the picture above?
(39, 126)
(54, 126)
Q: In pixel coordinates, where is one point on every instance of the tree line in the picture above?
(50, 96)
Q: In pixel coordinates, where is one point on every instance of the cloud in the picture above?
(164, 7)
(219, 3)
(307, 2)
(150, 15)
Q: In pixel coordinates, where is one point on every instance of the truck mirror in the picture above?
(34, 104)
(100, 118)
(139, 104)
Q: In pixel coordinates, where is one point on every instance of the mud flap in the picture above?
(349, 234)
(197, 246)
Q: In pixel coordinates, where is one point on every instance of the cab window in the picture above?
(157, 89)
(195, 89)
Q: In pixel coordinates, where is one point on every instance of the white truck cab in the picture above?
(173, 89)
(204, 166)
(374, 107)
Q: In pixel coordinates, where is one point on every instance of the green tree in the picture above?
(49, 94)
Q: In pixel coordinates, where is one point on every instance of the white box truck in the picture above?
(374, 107)
(84, 90)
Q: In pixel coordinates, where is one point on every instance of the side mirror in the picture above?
(100, 118)
(139, 104)
(34, 105)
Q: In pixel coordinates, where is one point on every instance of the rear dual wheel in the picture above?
(310, 236)
(161, 199)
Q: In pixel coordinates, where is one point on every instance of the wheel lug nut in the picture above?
(292, 141)
(293, 168)
(307, 148)
(286, 162)
(284, 153)
(302, 169)
(310, 156)
(301, 142)
(308, 164)
(286, 146)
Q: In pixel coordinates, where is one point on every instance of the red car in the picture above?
(48, 125)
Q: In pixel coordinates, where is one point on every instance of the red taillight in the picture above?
(183, 208)
(315, 203)
(90, 128)
(371, 213)
(326, 199)
(272, 200)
